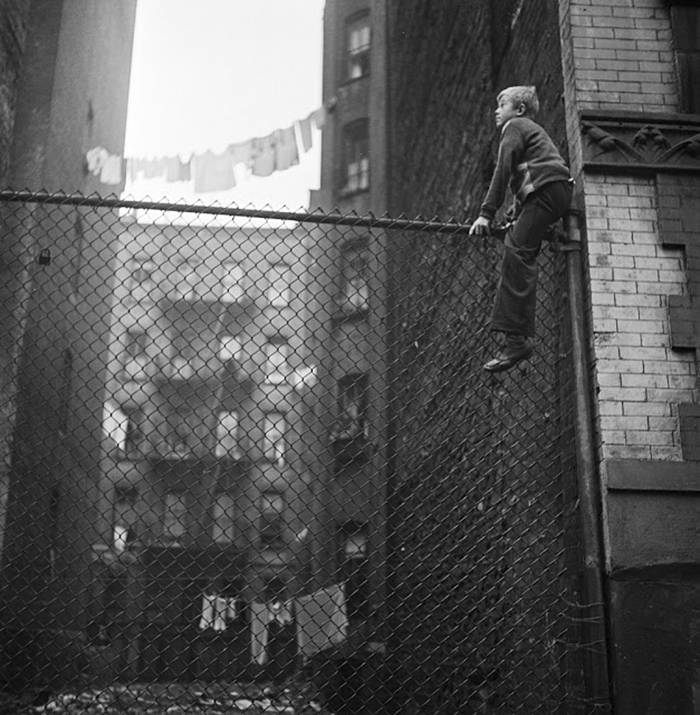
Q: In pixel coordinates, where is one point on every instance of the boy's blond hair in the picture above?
(522, 94)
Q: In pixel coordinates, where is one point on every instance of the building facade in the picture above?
(54, 344)
(349, 293)
(618, 93)
(205, 469)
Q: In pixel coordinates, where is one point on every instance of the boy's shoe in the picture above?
(517, 348)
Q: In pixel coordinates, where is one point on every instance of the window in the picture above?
(355, 289)
(229, 348)
(352, 408)
(276, 361)
(358, 45)
(356, 157)
(135, 358)
(227, 438)
(133, 437)
(180, 435)
(274, 430)
(278, 285)
(231, 282)
(141, 282)
(174, 517)
(271, 518)
(685, 23)
(125, 517)
(223, 521)
(181, 364)
(187, 280)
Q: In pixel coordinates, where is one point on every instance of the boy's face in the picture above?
(506, 110)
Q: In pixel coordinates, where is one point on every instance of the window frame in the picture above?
(685, 19)
(276, 374)
(145, 284)
(350, 256)
(355, 166)
(279, 272)
(269, 447)
(357, 58)
(271, 521)
(233, 292)
(221, 451)
(225, 533)
(181, 500)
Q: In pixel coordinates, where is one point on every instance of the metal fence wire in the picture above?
(252, 464)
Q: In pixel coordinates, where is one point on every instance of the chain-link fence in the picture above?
(252, 463)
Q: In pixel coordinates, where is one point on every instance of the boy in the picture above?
(541, 186)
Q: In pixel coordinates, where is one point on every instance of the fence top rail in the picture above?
(317, 216)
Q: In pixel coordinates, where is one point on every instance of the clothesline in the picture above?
(320, 617)
(210, 171)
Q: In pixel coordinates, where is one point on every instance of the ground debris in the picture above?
(292, 698)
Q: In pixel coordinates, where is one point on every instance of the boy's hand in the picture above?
(480, 227)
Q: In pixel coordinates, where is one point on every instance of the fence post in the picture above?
(594, 622)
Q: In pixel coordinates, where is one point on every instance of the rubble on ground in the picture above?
(291, 698)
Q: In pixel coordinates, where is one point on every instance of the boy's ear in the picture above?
(521, 109)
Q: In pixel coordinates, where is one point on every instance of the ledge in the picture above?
(640, 142)
(653, 476)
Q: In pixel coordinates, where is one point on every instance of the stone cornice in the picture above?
(640, 142)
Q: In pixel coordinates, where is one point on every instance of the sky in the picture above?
(209, 73)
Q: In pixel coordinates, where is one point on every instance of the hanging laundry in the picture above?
(318, 117)
(217, 612)
(213, 172)
(96, 159)
(111, 172)
(220, 613)
(304, 126)
(241, 153)
(154, 168)
(286, 152)
(207, 619)
(176, 169)
(261, 616)
(321, 620)
(263, 156)
(258, 632)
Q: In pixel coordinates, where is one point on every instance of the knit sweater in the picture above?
(528, 159)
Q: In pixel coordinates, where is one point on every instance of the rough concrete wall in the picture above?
(460, 434)
(13, 19)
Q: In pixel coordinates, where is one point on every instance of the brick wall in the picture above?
(624, 59)
(640, 378)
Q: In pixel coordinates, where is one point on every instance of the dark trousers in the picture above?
(516, 295)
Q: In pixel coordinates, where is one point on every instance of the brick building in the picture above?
(65, 91)
(411, 98)
(206, 482)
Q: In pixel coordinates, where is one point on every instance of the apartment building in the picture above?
(205, 474)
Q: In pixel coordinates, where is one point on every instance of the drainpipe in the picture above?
(594, 621)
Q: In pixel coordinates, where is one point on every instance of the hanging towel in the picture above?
(231, 610)
(318, 117)
(286, 152)
(263, 155)
(207, 618)
(96, 159)
(321, 620)
(241, 153)
(259, 618)
(305, 133)
(220, 613)
(111, 172)
(213, 172)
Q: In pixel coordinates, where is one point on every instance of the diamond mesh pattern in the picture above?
(252, 464)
